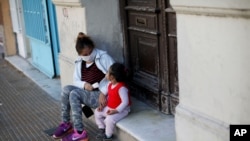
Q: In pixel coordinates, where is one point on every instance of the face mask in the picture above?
(89, 58)
(85, 58)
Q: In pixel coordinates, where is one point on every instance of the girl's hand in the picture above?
(102, 100)
(111, 111)
(99, 109)
(88, 86)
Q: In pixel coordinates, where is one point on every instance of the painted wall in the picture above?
(99, 19)
(71, 21)
(9, 36)
(213, 54)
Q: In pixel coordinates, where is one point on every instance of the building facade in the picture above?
(192, 54)
(212, 43)
(213, 49)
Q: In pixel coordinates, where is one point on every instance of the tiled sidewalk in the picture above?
(26, 110)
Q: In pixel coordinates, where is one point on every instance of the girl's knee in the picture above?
(66, 90)
(109, 120)
(97, 113)
(74, 95)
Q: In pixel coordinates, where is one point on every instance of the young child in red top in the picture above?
(118, 102)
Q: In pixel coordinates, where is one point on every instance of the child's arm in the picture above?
(123, 92)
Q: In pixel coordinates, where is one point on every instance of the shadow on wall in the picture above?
(113, 49)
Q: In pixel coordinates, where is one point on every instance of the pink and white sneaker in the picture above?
(80, 137)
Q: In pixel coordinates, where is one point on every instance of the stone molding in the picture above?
(75, 3)
(206, 122)
(209, 11)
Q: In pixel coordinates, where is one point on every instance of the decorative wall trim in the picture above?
(63, 3)
(206, 122)
(208, 11)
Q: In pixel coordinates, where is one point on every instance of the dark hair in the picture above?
(119, 72)
(83, 41)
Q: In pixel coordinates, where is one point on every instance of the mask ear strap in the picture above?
(93, 52)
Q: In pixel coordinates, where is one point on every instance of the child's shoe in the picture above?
(63, 129)
(105, 138)
(80, 137)
(101, 134)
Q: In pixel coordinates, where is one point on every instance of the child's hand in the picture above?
(99, 109)
(111, 111)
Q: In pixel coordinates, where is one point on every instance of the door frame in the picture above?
(52, 20)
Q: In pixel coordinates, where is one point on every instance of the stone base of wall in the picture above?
(193, 126)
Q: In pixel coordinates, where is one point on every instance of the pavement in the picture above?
(27, 111)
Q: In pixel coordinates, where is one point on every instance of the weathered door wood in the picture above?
(172, 55)
(146, 25)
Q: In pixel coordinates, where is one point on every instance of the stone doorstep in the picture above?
(145, 124)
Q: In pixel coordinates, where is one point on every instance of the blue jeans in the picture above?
(72, 98)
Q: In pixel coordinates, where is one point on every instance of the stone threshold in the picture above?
(147, 124)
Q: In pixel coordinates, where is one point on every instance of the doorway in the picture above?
(43, 36)
(151, 52)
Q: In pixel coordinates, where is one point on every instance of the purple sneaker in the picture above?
(67, 137)
(62, 130)
(80, 137)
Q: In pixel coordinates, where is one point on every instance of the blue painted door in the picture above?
(38, 30)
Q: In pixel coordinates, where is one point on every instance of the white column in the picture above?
(214, 68)
(70, 20)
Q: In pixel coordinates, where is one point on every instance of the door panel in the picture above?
(145, 60)
(143, 49)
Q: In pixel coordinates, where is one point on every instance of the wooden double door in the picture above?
(151, 52)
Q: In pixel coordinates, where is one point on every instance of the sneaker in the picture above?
(67, 137)
(101, 134)
(107, 139)
(62, 130)
(80, 137)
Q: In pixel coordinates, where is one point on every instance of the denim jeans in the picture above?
(72, 98)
